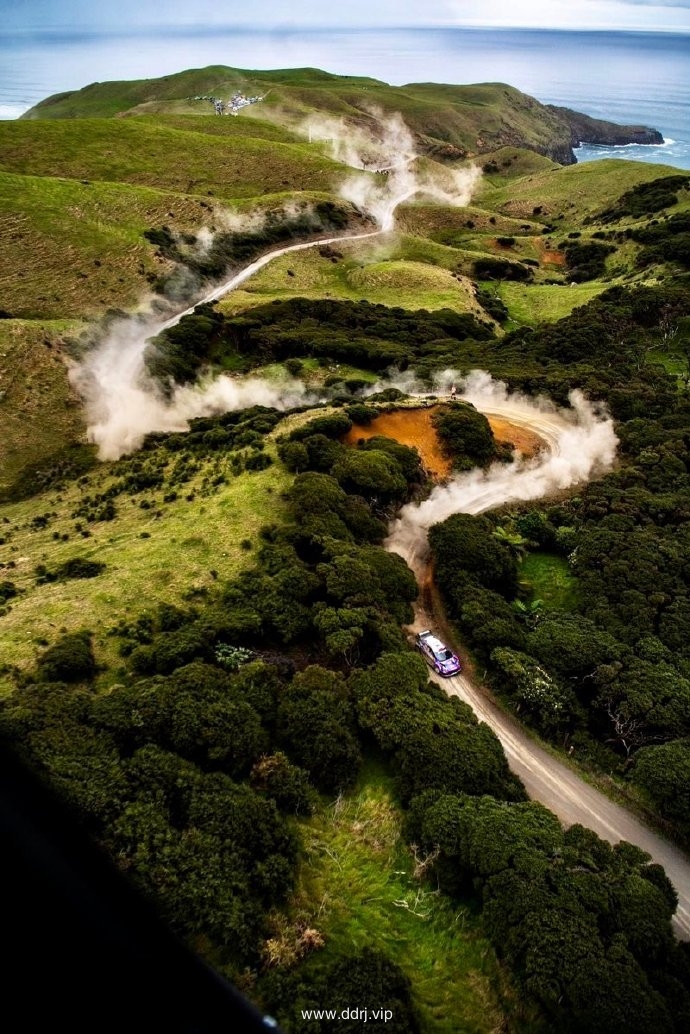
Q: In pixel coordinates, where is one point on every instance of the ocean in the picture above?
(622, 76)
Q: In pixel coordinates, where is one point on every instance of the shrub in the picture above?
(586, 259)
(465, 436)
(76, 567)
(70, 659)
(288, 785)
(8, 590)
(332, 426)
(257, 461)
(492, 304)
(500, 269)
(361, 414)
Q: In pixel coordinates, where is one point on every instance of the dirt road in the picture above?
(564, 792)
(546, 779)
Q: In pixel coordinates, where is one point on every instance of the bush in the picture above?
(361, 414)
(77, 567)
(492, 304)
(664, 773)
(257, 461)
(466, 545)
(232, 657)
(315, 726)
(70, 659)
(586, 260)
(8, 590)
(287, 784)
(465, 435)
(500, 269)
(333, 426)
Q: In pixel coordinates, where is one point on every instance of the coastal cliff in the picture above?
(587, 130)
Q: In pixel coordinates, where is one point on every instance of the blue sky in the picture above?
(125, 15)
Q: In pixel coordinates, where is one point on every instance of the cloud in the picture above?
(573, 14)
(132, 15)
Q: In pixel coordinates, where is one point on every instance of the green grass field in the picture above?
(673, 363)
(447, 225)
(544, 303)
(377, 270)
(572, 193)
(162, 553)
(509, 163)
(550, 580)
(72, 250)
(357, 882)
(177, 157)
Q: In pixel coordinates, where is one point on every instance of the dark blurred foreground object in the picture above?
(82, 951)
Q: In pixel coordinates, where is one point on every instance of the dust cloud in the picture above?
(386, 148)
(123, 404)
(581, 444)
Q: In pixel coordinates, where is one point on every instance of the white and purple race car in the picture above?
(437, 654)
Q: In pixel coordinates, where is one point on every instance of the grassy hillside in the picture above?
(545, 303)
(73, 249)
(448, 121)
(357, 881)
(106, 99)
(403, 271)
(178, 157)
(163, 544)
(39, 412)
(573, 193)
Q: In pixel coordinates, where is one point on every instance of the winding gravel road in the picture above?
(564, 792)
(546, 779)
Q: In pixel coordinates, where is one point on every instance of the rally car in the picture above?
(437, 654)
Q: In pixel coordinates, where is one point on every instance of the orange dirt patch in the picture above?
(550, 258)
(411, 427)
(520, 438)
(414, 427)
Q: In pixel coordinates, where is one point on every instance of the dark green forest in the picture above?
(615, 671)
(236, 713)
(232, 717)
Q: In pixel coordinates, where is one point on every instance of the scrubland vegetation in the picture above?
(202, 643)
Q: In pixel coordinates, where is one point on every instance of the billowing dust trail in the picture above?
(124, 404)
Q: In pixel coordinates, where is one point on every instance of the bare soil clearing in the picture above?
(414, 427)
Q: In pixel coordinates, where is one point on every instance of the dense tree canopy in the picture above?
(586, 925)
(466, 436)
